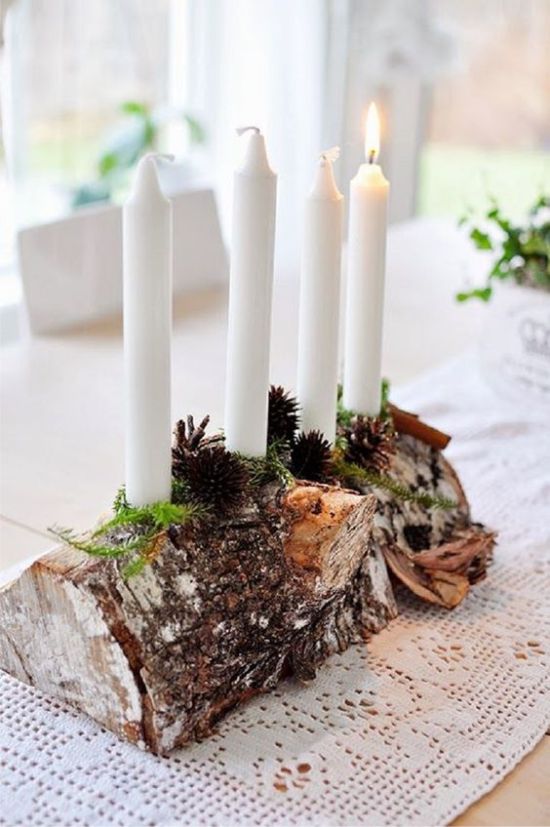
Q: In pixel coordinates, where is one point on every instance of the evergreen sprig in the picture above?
(354, 474)
(271, 468)
(156, 517)
(344, 416)
(145, 523)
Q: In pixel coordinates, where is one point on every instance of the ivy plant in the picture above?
(521, 253)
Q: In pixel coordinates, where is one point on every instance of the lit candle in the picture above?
(365, 282)
(320, 301)
(147, 252)
(250, 291)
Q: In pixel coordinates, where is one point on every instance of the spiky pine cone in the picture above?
(216, 478)
(189, 438)
(282, 421)
(370, 442)
(311, 457)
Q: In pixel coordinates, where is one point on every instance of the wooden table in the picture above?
(61, 415)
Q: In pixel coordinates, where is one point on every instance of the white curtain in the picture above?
(304, 72)
(261, 63)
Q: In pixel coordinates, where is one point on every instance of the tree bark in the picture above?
(229, 606)
(436, 553)
(223, 611)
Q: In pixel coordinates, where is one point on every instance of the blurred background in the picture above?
(88, 86)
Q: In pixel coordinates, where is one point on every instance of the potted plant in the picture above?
(515, 349)
(71, 267)
(138, 132)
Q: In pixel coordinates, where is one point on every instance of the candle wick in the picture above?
(372, 156)
(242, 129)
(160, 156)
(331, 154)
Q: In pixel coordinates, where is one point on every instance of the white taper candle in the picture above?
(250, 293)
(366, 266)
(320, 301)
(147, 254)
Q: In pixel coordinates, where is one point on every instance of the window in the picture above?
(71, 65)
(488, 127)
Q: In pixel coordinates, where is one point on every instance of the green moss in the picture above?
(145, 524)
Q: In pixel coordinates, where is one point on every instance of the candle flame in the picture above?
(372, 134)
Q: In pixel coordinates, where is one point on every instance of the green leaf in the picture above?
(135, 108)
(500, 269)
(107, 163)
(92, 193)
(536, 245)
(511, 246)
(385, 397)
(541, 202)
(149, 133)
(343, 415)
(197, 135)
(482, 293)
(496, 216)
(126, 145)
(481, 239)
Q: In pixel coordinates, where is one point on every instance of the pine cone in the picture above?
(216, 478)
(283, 418)
(370, 442)
(311, 457)
(190, 438)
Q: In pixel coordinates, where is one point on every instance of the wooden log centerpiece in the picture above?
(273, 577)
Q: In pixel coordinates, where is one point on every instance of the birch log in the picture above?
(436, 553)
(221, 613)
(227, 607)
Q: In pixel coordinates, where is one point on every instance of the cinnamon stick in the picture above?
(410, 424)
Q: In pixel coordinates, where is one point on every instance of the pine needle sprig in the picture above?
(344, 416)
(138, 549)
(79, 542)
(354, 474)
(385, 413)
(158, 517)
(271, 468)
(145, 523)
(120, 502)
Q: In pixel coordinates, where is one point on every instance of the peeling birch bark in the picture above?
(436, 553)
(223, 611)
(227, 607)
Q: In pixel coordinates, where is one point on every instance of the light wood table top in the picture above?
(61, 416)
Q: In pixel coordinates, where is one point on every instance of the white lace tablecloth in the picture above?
(409, 730)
